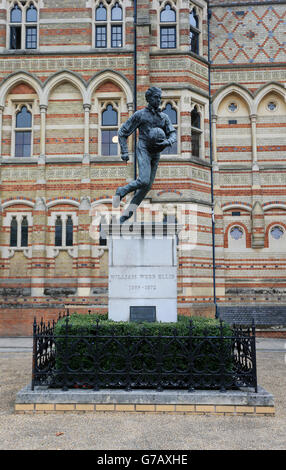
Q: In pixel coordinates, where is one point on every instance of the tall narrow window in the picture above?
(196, 132)
(23, 133)
(116, 29)
(168, 28)
(31, 27)
(24, 231)
(101, 26)
(109, 25)
(194, 32)
(13, 231)
(15, 27)
(109, 130)
(19, 231)
(69, 231)
(58, 231)
(23, 25)
(64, 230)
(172, 113)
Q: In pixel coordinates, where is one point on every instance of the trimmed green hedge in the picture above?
(88, 352)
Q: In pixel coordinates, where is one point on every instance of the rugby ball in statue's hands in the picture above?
(156, 138)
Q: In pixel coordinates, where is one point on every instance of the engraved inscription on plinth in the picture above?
(142, 273)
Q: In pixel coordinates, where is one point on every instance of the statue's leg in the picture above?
(141, 193)
(144, 167)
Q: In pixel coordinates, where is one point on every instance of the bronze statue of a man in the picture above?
(156, 132)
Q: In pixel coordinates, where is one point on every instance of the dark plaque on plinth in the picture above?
(142, 313)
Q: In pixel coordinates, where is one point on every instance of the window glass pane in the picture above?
(171, 150)
(168, 15)
(194, 20)
(109, 116)
(171, 112)
(116, 13)
(196, 119)
(194, 42)
(15, 37)
(196, 139)
(32, 14)
(24, 118)
(24, 232)
(108, 146)
(100, 36)
(31, 37)
(101, 14)
(116, 36)
(168, 37)
(69, 231)
(13, 232)
(16, 15)
(23, 144)
(277, 233)
(58, 232)
(236, 233)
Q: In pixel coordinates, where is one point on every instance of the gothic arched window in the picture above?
(196, 132)
(13, 231)
(69, 231)
(168, 28)
(173, 116)
(24, 231)
(109, 130)
(23, 132)
(109, 25)
(194, 32)
(23, 25)
(58, 231)
(19, 231)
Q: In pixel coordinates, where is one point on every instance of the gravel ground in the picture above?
(116, 431)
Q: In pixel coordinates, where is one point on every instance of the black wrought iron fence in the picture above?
(106, 359)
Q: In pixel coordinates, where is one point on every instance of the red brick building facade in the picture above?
(67, 77)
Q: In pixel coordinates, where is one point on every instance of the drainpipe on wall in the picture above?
(209, 13)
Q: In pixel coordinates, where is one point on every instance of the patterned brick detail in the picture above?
(248, 35)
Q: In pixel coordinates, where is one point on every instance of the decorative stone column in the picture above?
(86, 108)
(43, 110)
(256, 187)
(38, 248)
(214, 146)
(253, 118)
(84, 248)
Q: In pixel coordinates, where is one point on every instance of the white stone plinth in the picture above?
(142, 272)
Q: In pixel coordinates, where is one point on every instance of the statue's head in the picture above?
(153, 96)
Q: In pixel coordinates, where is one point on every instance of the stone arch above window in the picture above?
(272, 105)
(237, 236)
(275, 236)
